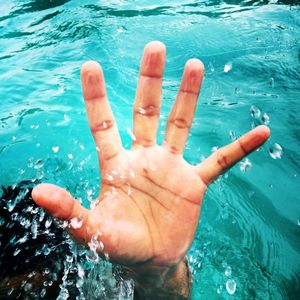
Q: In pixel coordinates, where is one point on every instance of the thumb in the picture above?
(60, 204)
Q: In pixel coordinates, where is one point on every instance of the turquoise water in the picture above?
(247, 245)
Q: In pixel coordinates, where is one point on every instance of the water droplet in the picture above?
(275, 151)
(211, 67)
(265, 119)
(219, 289)
(231, 286)
(214, 149)
(255, 112)
(69, 258)
(141, 111)
(48, 222)
(109, 177)
(23, 239)
(37, 145)
(10, 291)
(120, 30)
(34, 228)
(16, 252)
(129, 131)
(76, 223)
(70, 155)
(55, 149)
(66, 118)
(38, 164)
(46, 250)
(228, 67)
(227, 271)
(43, 293)
(65, 224)
(42, 215)
(80, 271)
(232, 135)
(245, 165)
(27, 287)
(46, 271)
(94, 203)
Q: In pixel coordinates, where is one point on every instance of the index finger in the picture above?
(227, 156)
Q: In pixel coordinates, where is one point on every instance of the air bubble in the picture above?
(275, 151)
(272, 82)
(245, 165)
(70, 156)
(230, 286)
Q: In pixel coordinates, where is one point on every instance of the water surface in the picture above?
(247, 244)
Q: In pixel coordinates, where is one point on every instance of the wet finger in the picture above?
(148, 95)
(182, 114)
(60, 204)
(227, 156)
(100, 116)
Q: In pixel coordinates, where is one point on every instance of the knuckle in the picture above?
(222, 159)
(149, 110)
(102, 126)
(180, 123)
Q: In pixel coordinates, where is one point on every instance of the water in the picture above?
(250, 217)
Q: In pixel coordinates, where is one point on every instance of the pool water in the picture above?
(247, 244)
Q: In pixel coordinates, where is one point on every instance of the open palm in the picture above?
(150, 199)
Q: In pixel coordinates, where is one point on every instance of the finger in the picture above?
(60, 204)
(100, 116)
(148, 95)
(227, 156)
(182, 114)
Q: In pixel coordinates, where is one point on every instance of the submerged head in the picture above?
(31, 246)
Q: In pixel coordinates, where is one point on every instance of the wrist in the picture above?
(162, 282)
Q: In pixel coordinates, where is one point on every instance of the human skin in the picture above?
(150, 197)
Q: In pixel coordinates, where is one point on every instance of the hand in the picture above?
(150, 197)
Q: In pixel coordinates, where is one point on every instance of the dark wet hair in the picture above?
(32, 246)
